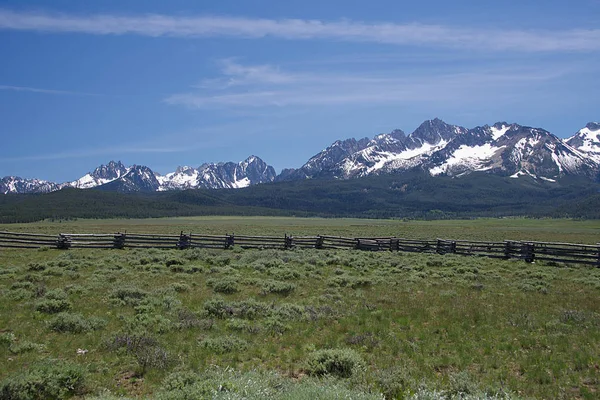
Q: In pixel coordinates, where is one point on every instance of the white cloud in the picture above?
(44, 91)
(414, 34)
(267, 86)
(83, 153)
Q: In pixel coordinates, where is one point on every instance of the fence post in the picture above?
(184, 241)
(229, 241)
(528, 252)
(289, 241)
(119, 241)
(507, 249)
(438, 247)
(453, 247)
(319, 244)
(598, 261)
(63, 242)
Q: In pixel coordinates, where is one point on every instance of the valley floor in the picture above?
(299, 323)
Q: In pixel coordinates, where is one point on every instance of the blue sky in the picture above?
(168, 83)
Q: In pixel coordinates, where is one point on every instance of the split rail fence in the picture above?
(508, 249)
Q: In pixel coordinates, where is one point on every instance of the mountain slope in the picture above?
(15, 184)
(251, 171)
(114, 176)
(100, 176)
(409, 195)
(439, 148)
(587, 141)
(435, 147)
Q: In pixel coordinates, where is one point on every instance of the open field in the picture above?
(493, 229)
(299, 323)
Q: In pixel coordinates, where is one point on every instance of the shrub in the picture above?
(187, 319)
(56, 294)
(290, 312)
(146, 350)
(250, 309)
(217, 307)
(224, 344)
(180, 287)
(128, 295)
(226, 383)
(24, 347)
(152, 357)
(20, 294)
(36, 267)
(275, 326)
(51, 379)
(340, 280)
(65, 322)
(342, 363)
(247, 309)
(284, 273)
(360, 282)
(6, 338)
(23, 285)
(152, 322)
(226, 285)
(52, 306)
(277, 287)
(240, 325)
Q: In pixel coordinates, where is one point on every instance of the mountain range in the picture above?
(435, 147)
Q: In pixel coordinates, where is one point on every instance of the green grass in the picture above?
(495, 229)
(301, 323)
(351, 323)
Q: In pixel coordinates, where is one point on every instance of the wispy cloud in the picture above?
(44, 91)
(85, 153)
(266, 86)
(414, 34)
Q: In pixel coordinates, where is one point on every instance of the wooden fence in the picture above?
(527, 251)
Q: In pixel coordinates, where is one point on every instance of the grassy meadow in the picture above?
(299, 324)
(494, 229)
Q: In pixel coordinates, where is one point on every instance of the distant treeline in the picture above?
(410, 195)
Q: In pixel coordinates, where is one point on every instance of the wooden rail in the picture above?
(528, 251)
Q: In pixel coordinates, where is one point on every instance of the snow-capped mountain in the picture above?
(439, 148)
(229, 175)
(114, 176)
(101, 175)
(15, 184)
(511, 150)
(587, 141)
(436, 147)
(137, 178)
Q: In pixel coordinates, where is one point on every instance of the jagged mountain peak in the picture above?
(112, 170)
(587, 141)
(506, 149)
(253, 170)
(435, 130)
(440, 148)
(103, 174)
(16, 184)
(184, 169)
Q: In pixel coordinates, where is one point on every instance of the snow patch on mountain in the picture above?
(587, 141)
(472, 157)
(497, 133)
